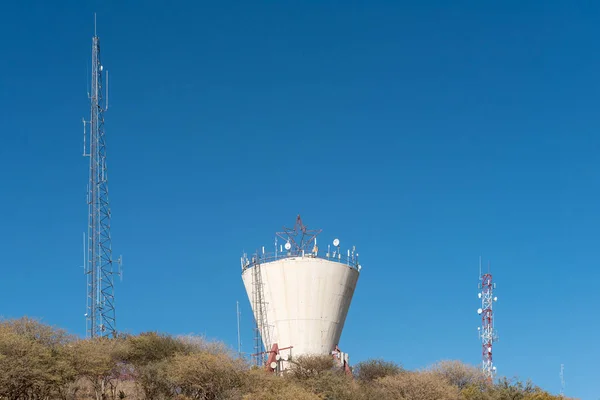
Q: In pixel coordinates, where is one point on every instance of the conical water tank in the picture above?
(300, 299)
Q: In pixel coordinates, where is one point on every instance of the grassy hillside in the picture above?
(38, 362)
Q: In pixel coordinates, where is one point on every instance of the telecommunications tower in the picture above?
(100, 313)
(487, 333)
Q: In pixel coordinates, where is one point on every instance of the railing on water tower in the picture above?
(350, 258)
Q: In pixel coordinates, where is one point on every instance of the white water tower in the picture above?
(300, 297)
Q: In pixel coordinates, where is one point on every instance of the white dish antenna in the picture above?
(479, 311)
(288, 246)
(273, 365)
(336, 242)
(479, 295)
(496, 298)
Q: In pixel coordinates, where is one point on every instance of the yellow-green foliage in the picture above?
(39, 362)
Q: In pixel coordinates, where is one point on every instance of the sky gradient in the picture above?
(426, 134)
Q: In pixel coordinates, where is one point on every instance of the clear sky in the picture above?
(424, 133)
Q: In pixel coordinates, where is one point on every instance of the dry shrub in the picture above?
(309, 366)
(459, 374)
(281, 392)
(200, 344)
(262, 386)
(149, 347)
(99, 361)
(371, 370)
(149, 355)
(130, 390)
(316, 374)
(546, 396)
(41, 362)
(414, 386)
(23, 366)
(34, 330)
(34, 361)
(331, 385)
(476, 392)
(153, 381)
(205, 376)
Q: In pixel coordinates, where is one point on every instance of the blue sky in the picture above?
(425, 134)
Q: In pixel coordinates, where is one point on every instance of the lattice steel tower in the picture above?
(100, 315)
(487, 333)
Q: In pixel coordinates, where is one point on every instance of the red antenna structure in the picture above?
(487, 333)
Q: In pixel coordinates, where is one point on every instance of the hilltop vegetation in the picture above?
(39, 362)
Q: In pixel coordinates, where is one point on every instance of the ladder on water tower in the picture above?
(260, 314)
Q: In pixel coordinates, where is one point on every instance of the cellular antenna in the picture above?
(106, 109)
(100, 315)
(487, 333)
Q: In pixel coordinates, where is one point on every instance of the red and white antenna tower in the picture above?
(487, 333)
